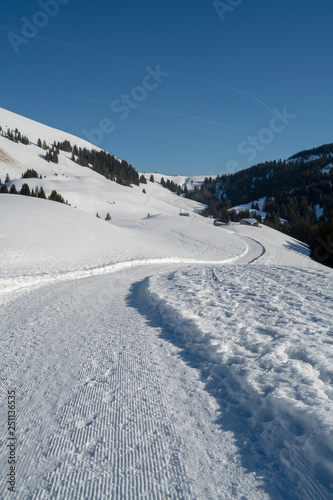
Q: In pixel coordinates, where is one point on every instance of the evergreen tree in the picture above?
(54, 196)
(39, 143)
(41, 193)
(24, 140)
(55, 158)
(13, 189)
(152, 178)
(322, 244)
(143, 180)
(29, 174)
(4, 189)
(108, 216)
(25, 190)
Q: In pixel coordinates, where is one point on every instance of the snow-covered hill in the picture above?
(35, 130)
(155, 357)
(80, 186)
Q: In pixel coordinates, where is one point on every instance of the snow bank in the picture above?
(265, 350)
(44, 242)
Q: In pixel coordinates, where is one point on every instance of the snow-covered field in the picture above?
(157, 357)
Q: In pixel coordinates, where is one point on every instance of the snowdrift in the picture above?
(265, 352)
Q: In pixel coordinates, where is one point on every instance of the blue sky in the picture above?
(188, 86)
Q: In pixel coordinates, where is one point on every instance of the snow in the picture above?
(305, 159)
(327, 169)
(251, 222)
(34, 130)
(157, 357)
(265, 349)
(181, 180)
(43, 240)
(247, 206)
(84, 188)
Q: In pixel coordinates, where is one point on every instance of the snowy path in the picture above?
(106, 408)
(121, 398)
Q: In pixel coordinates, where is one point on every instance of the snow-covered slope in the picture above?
(35, 130)
(43, 241)
(80, 186)
(156, 357)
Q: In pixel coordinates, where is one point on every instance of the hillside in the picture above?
(156, 357)
(81, 186)
(294, 196)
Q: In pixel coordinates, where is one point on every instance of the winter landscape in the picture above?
(151, 355)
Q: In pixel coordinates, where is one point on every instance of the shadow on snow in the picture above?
(285, 473)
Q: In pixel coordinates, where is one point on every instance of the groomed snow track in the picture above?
(110, 407)
(92, 422)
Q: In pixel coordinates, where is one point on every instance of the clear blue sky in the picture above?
(223, 77)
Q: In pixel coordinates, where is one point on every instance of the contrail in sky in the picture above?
(140, 63)
(192, 117)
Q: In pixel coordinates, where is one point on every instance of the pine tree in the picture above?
(54, 196)
(24, 140)
(322, 244)
(108, 216)
(39, 143)
(143, 180)
(4, 189)
(55, 158)
(12, 189)
(29, 174)
(152, 178)
(41, 193)
(25, 190)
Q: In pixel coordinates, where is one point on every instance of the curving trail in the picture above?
(14, 286)
(107, 409)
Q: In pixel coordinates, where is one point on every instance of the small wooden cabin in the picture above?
(220, 222)
(250, 222)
